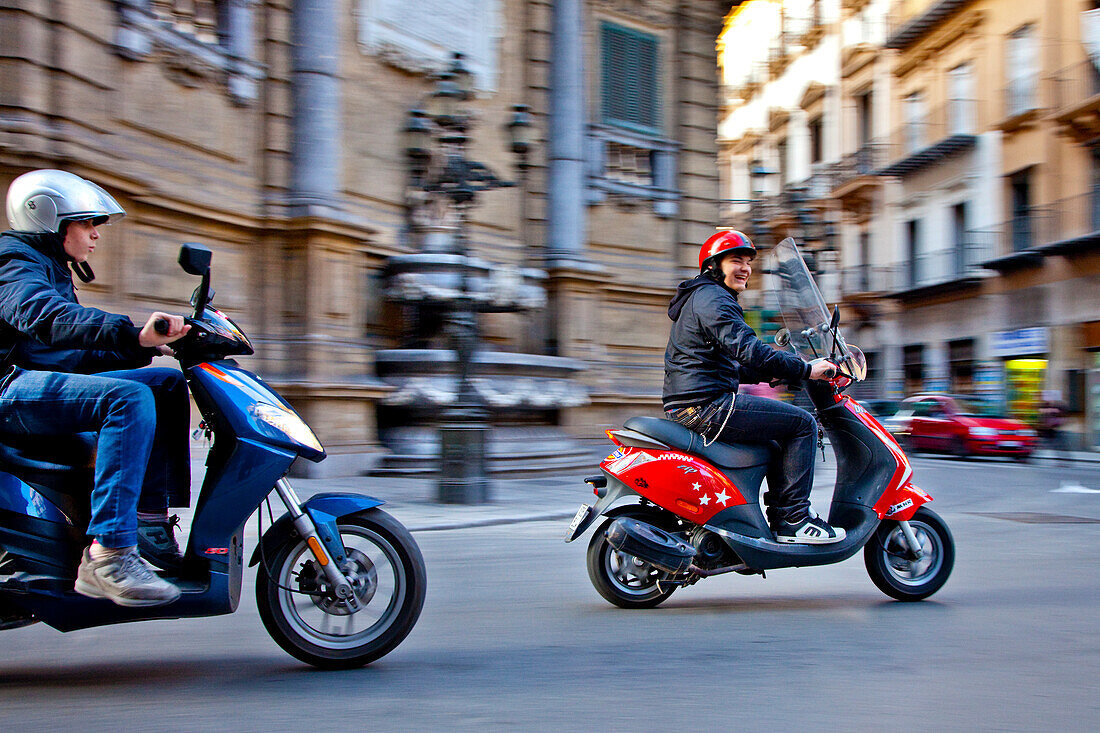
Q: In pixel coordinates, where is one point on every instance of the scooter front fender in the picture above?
(326, 510)
(902, 504)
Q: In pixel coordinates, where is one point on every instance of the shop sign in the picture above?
(1018, 342)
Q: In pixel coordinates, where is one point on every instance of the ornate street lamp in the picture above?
(441, 174)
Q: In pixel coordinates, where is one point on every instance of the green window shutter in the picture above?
(629, 75)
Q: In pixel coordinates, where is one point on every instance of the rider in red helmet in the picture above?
(711, 351)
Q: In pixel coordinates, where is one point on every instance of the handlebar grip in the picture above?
(829, 373)
(161, 326)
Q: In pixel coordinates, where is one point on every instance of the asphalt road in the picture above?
(514, 637)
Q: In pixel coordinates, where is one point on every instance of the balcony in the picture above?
(1075, 101)
(865, 281)
(855, 175)
(1072, 224)
(928, 139)
(1021, 102)
(944, 270)
(906, 29)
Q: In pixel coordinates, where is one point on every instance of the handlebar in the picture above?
(161, 326)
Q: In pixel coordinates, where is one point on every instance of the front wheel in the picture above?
(622, 579)
(886, 556)
(387, 575)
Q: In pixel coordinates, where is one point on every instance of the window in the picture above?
(815, 140)
(1020, 184)
(781, 153)
(961, 104)
(1021, 68)
(630, 89)
(959, 217)
(863, 119)
(912, 243)
(915, 119)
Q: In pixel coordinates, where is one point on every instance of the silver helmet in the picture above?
(40, 201)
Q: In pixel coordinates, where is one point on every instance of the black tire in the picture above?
(386, 561)
(622, 579)
(904, 580)
(959, 449)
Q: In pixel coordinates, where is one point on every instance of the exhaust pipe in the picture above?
(650, 544)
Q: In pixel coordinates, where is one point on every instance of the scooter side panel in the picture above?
(17, 496)
(684, 484)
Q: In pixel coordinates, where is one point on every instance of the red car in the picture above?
(954, 425)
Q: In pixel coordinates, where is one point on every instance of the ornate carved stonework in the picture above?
(652, 12)
(421, 37)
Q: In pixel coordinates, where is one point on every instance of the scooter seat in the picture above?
(49, 454)
(726, 455)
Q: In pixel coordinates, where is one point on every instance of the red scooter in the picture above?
(698, 510)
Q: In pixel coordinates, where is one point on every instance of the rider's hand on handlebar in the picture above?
(822, 369)
(149, 337)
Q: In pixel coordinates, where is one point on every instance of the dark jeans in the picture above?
(760, 420)
(141, 420)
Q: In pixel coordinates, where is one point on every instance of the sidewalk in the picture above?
(552, 497)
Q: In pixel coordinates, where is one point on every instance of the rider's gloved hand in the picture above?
(823, 369)
(148, 336)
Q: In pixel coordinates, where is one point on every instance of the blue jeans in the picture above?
(139, 453)
(760, 420)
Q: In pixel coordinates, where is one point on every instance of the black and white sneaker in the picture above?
(812, 530)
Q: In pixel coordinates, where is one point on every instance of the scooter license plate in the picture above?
(581, 514)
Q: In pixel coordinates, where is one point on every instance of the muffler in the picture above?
(650, 544)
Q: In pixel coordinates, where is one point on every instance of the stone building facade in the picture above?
(271, 130)
(955, 144)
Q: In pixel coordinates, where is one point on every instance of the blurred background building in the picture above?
(275, 132)
(940, 159)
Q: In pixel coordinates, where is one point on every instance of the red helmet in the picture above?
(724, 242)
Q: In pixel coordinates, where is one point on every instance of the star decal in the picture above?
(697, 487)
(705, 500)
(722, 497)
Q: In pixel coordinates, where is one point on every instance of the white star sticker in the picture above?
(697, 487)
(705, 500)
(723, 497)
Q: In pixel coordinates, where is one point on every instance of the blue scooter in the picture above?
(340, 582)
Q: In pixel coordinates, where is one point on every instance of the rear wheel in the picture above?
(387, 575)
(888, 562)
(621, 578)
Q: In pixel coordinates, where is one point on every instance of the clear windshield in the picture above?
(805, 314)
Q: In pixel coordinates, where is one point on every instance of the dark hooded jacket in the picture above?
(43, 327)
(711, 349)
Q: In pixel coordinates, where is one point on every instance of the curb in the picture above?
(491, 522)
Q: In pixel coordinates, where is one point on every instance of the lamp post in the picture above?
(758, 177)
(442, 176)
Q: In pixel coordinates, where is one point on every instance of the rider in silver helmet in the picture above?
(66, 368)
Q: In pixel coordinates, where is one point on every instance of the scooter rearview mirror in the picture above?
(782, 338)
(195, 258)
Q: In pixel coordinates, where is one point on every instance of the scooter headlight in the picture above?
(281, 423)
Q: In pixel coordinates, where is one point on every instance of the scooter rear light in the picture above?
(611, 436)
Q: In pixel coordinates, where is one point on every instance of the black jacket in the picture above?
(43, 327)
(711, 350)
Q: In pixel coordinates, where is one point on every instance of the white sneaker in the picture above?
(124, 578)
(810, 531)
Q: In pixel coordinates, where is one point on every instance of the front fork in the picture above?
(324, 546)
(911, 539)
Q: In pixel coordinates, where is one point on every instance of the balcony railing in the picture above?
(864, 162)
(867, 279)
(1072, 218)
(1074, 84)
(924, 140)
(945, 265)
(1021, 96)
